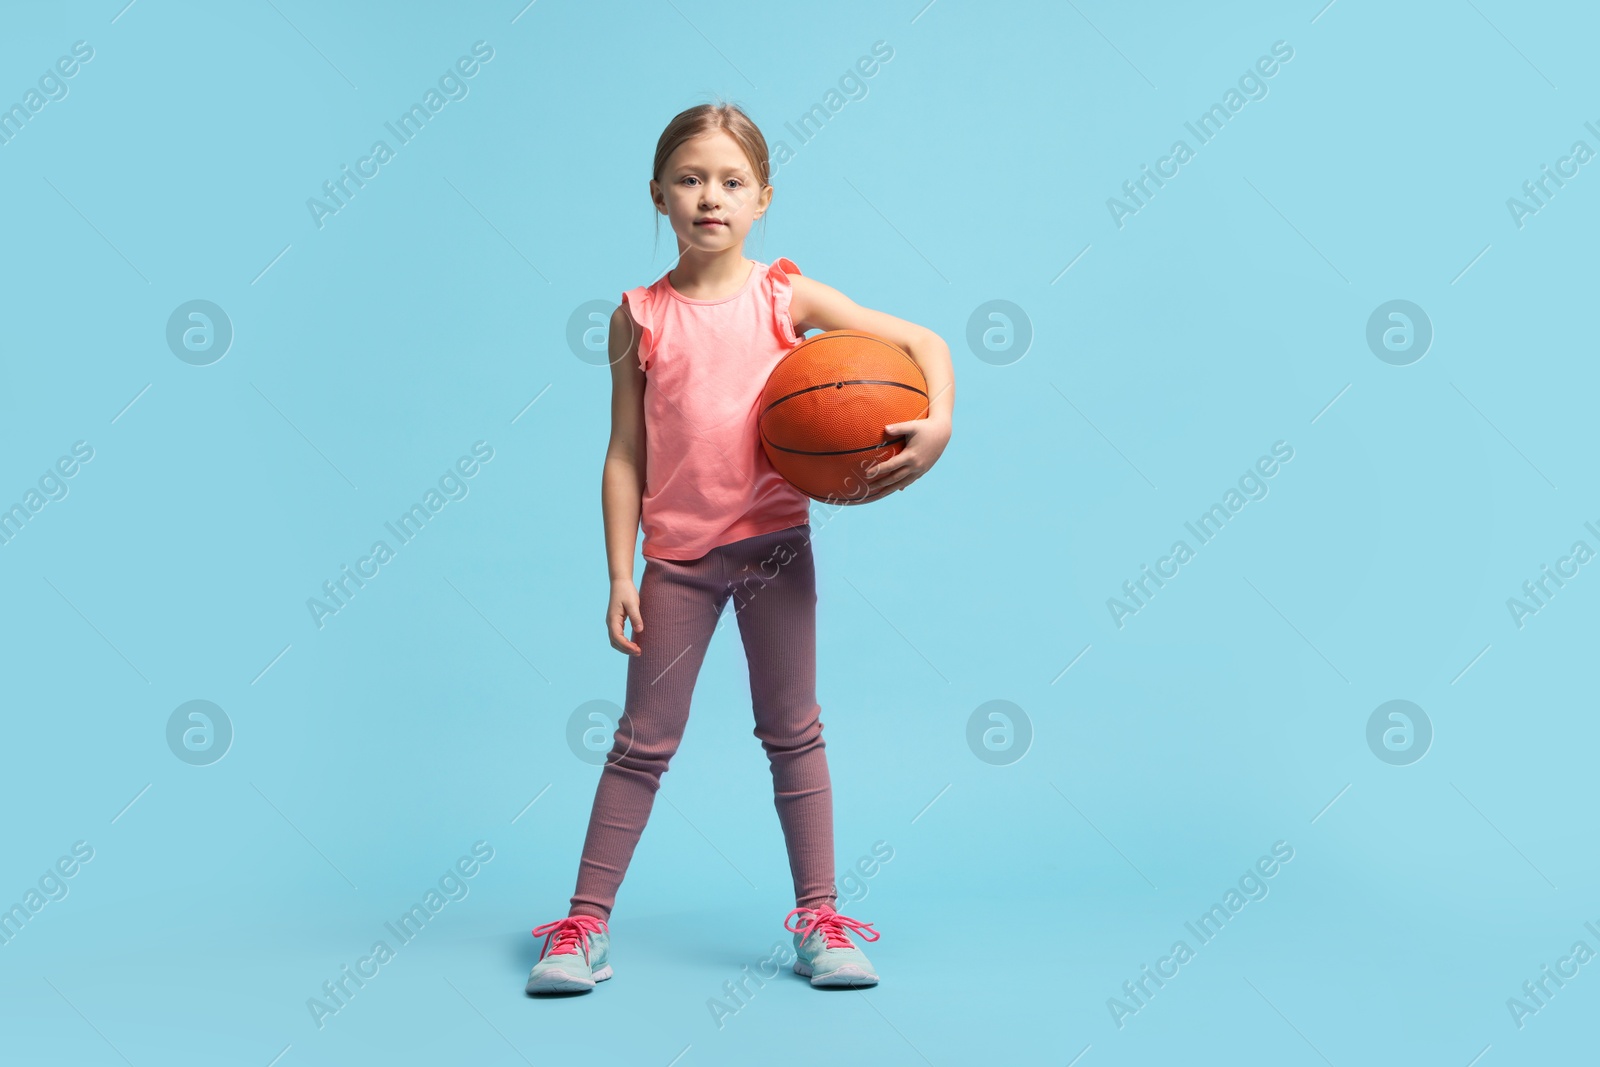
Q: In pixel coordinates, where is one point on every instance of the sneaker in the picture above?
(576, 955)
(823, 949)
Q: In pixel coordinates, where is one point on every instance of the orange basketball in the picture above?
(824, 409)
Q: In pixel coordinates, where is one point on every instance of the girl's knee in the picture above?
(792, 738)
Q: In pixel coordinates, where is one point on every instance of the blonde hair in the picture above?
(708, 118)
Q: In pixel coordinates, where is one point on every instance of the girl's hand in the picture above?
(624, 604)
(925, 441)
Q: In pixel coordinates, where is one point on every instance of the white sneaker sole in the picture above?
(559, 981)
(848, 975)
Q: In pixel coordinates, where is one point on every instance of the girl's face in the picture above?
(710, 193)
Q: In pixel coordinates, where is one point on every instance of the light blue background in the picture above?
(1227, 715)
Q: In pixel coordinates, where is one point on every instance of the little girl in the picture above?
(690, 355)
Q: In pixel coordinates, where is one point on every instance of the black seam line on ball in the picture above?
(835, 385)
(840, 452)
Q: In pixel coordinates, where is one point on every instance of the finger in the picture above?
(892, 479)
(622, 644)
(903, 462)
(615, 621)
(638, 625)
(888, 466)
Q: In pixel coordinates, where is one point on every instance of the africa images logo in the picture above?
(452, 86)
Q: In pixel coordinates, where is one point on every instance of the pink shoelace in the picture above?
(569, 935)
(832, 925)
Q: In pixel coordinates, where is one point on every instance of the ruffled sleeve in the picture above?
(782, 293)
(638, 303)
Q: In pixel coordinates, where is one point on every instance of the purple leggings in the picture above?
(772, 581)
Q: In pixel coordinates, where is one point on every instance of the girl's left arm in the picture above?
(815, 306)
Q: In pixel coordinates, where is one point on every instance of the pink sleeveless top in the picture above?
(708, 481)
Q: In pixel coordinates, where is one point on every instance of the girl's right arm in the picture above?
(623, 481)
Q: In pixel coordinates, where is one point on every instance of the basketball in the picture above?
(824, 408)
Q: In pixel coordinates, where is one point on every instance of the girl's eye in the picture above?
(691, 178)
